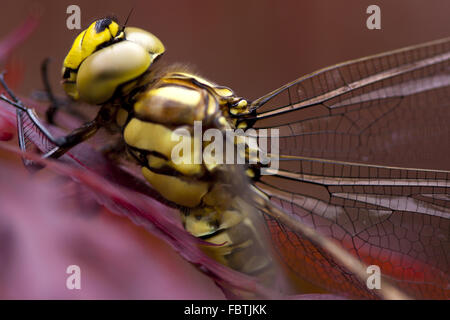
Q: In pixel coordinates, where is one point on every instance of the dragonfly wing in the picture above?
(395, 218)
(341, 129)
(391, 109)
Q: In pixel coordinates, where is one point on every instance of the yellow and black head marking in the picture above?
(105, 56)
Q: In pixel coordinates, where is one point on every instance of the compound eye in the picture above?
(146, 40)
(105, 70)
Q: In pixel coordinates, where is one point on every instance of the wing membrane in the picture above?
(390, 109)
(350, 136)
(396, 218)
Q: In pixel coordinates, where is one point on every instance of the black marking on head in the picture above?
(113, 18)
(102, 24)
(67, 72)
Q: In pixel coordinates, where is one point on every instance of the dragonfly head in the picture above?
(105, 56)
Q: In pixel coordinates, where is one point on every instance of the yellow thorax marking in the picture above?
(221, 92)
(149, 136)
(181, 95)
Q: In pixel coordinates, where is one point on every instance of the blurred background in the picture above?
(252, 46)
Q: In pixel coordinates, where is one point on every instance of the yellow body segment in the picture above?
(180, 191)
(137, 134)
(222, 93)
(171, 104)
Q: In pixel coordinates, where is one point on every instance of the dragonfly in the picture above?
(363, 175)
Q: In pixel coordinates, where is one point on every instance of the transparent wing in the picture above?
(390, 109)
(397, 219)
(348, 136)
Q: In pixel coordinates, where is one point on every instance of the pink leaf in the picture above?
(42, 232)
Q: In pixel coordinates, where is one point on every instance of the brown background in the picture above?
(252, 46)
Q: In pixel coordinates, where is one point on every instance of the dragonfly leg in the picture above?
(74, 138)
(61, 144)
(54, 105)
